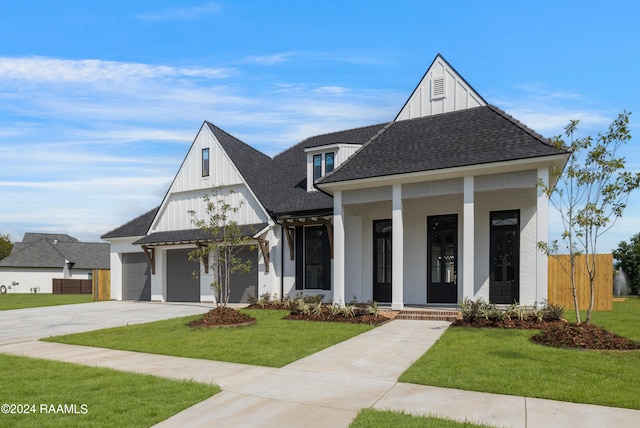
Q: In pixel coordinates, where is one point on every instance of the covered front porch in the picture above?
(434, 240)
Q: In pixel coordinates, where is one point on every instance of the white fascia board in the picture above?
(330, 146)
(442, 174)
(262, 231)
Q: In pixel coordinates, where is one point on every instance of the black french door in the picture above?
(504, 284)
(442, 255)
(382, 261)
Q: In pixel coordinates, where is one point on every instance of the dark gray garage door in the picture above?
(136, 277)
(181, 285)
(243, 284)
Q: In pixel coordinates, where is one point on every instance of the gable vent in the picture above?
(437, 88)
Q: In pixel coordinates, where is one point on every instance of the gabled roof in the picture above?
(474, 136)
(422, 89)
(253, 165)
(465, 137)
(51, 253)
(139, 226)
(30, 237)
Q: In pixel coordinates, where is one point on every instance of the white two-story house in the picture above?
(438, 204)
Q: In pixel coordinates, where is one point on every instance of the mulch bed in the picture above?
(327, 317)
(586, 336)
(223, 317)
(560, 334)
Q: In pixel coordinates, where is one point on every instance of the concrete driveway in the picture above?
(20, 325)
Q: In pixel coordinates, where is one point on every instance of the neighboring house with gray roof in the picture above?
(437, 205)
(41, 257)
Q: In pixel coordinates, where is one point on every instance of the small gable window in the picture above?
(317, 167)
(328, 162)
(205, 162)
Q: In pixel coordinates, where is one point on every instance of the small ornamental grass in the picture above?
(310, 308)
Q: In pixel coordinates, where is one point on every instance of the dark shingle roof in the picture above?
(191, 235)
(289, 171)
(139, 226)
(475, 136)
(50, 253)
(253, 165)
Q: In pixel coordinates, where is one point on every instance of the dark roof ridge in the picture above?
(519, 124)
(325, 134)
(210, 124)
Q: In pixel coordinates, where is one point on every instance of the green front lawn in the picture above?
(95, 397)
(271, 341)
(386, 419)
(507, 362)
(28, 300)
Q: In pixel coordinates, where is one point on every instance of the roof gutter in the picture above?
(440, 174)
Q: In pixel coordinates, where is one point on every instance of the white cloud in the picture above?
(270, 59)
(87, 145)
(331, 90)
(182, 13)
(40, 69)
(548, 110)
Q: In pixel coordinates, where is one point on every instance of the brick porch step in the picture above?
(429, 314)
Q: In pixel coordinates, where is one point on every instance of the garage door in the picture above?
(243, 284)
(136, 277)
(181, 285)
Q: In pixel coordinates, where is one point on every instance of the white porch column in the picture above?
(397, 250)
(338, 249)
(542, 234)
(159, 280)
(468, 239)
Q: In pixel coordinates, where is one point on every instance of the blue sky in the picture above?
(100, 101)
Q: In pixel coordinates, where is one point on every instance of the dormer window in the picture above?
(317, 167)
(328, 162)
(321, 160)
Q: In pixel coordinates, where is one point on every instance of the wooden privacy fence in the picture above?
(560, 282)
(71, 286)
(101, 284)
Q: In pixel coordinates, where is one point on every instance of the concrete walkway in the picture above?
(328, 388)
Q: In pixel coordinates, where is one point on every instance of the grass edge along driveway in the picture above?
(95, 397)
(271, 341)
(506, 362)
(367, 418)
(10, 301)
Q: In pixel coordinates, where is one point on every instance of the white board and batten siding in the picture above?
(441, 90)
(189, 188)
